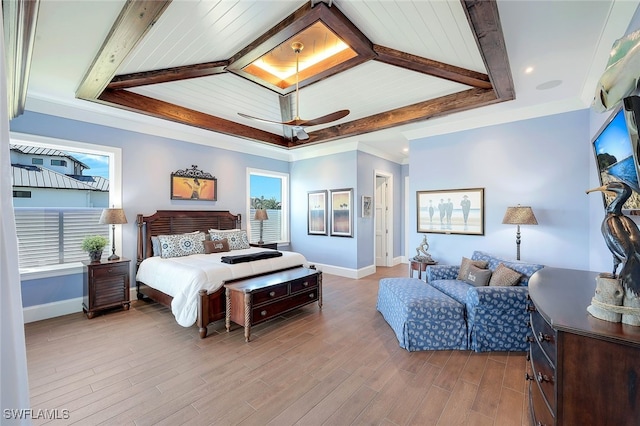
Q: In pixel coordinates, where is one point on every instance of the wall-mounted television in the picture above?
(615, 147)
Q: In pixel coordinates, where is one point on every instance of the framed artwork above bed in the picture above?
(193, 184)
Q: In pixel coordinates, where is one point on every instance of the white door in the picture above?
(382, 221)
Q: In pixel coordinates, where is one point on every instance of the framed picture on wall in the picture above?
(366, 205)
(451, 211)
(342, 212)
(193, 184)
(317, 212)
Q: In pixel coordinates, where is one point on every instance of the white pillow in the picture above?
(237, 237)
(181, 244)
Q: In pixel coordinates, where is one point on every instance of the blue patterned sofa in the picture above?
(496, 316)
(449, 313)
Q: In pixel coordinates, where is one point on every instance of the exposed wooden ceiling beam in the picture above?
(484, 20)
(135, 19)
(431, 67)
(165, 110)
(438, 107)
(126, 81)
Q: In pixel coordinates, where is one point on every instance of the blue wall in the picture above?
(542, 162)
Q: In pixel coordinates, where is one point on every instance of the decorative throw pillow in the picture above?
(237, 238)
(478, 277)
(155, 244)
(464, 266)
(181, 244)
(504, 276)
(216, 246)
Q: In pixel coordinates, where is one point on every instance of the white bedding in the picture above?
(183, 277)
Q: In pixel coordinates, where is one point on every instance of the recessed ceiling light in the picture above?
(528, 70)
(549, 85)
(405, 149)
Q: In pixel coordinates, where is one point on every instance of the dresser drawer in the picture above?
(541, 414)
(277, 307)
(109, 291)
(110, 270)
(271, 293)
(544, 375)
(304, 284)
(545, 335)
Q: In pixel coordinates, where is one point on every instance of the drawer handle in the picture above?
(543, 378)
(530, 339)
(312, 295)
(109, 270)
(544, 337)
(263, 313)
(306, 284)
(528, 324)
(531, 308)
(273, 293)
(527, 376)
(539, 423)
(528, 357)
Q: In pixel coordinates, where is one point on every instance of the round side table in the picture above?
(420, 266)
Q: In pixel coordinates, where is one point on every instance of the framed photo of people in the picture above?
(317, 218)
(451, 211)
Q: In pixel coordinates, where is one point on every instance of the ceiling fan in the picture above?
(298, 124)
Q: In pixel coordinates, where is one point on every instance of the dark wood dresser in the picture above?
(582, 370)
(106, 285)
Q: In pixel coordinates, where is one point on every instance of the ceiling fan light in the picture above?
(301, 134)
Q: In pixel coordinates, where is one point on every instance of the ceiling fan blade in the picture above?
(334, 116)
(264, 120)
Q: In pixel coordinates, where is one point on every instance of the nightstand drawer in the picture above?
(107, 270)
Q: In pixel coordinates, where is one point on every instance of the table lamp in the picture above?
(261, 215)
(113, 217)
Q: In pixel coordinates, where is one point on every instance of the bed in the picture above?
(193, 286)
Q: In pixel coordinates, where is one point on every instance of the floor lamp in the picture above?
(261, 215)
(519, 215)
(113, 217)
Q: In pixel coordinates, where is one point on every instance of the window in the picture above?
(37, 161)
(22, 194)
(51, 225)
(269, 191)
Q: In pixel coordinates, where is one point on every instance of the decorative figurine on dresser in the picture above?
(616, 297)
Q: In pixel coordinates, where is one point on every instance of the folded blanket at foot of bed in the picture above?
(251, 257)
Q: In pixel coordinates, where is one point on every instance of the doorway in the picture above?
(383, 219)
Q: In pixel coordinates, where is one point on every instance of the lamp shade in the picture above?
(261, 214)
(113, 216)
(519, 215)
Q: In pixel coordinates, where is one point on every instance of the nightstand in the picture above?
(265, 245)
(106, 285)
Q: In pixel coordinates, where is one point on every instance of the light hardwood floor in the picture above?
(338, 366)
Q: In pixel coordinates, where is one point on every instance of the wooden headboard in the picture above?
(168, 222)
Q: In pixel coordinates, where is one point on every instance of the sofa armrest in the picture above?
(498, 298)
(442, 272)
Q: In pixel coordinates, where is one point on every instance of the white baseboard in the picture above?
(51, 310)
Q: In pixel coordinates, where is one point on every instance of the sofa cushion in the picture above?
(456, 289)
(478, 277)
(504, 277)
(466, 263)
(526, 269)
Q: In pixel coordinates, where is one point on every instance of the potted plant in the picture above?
(94, 245)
